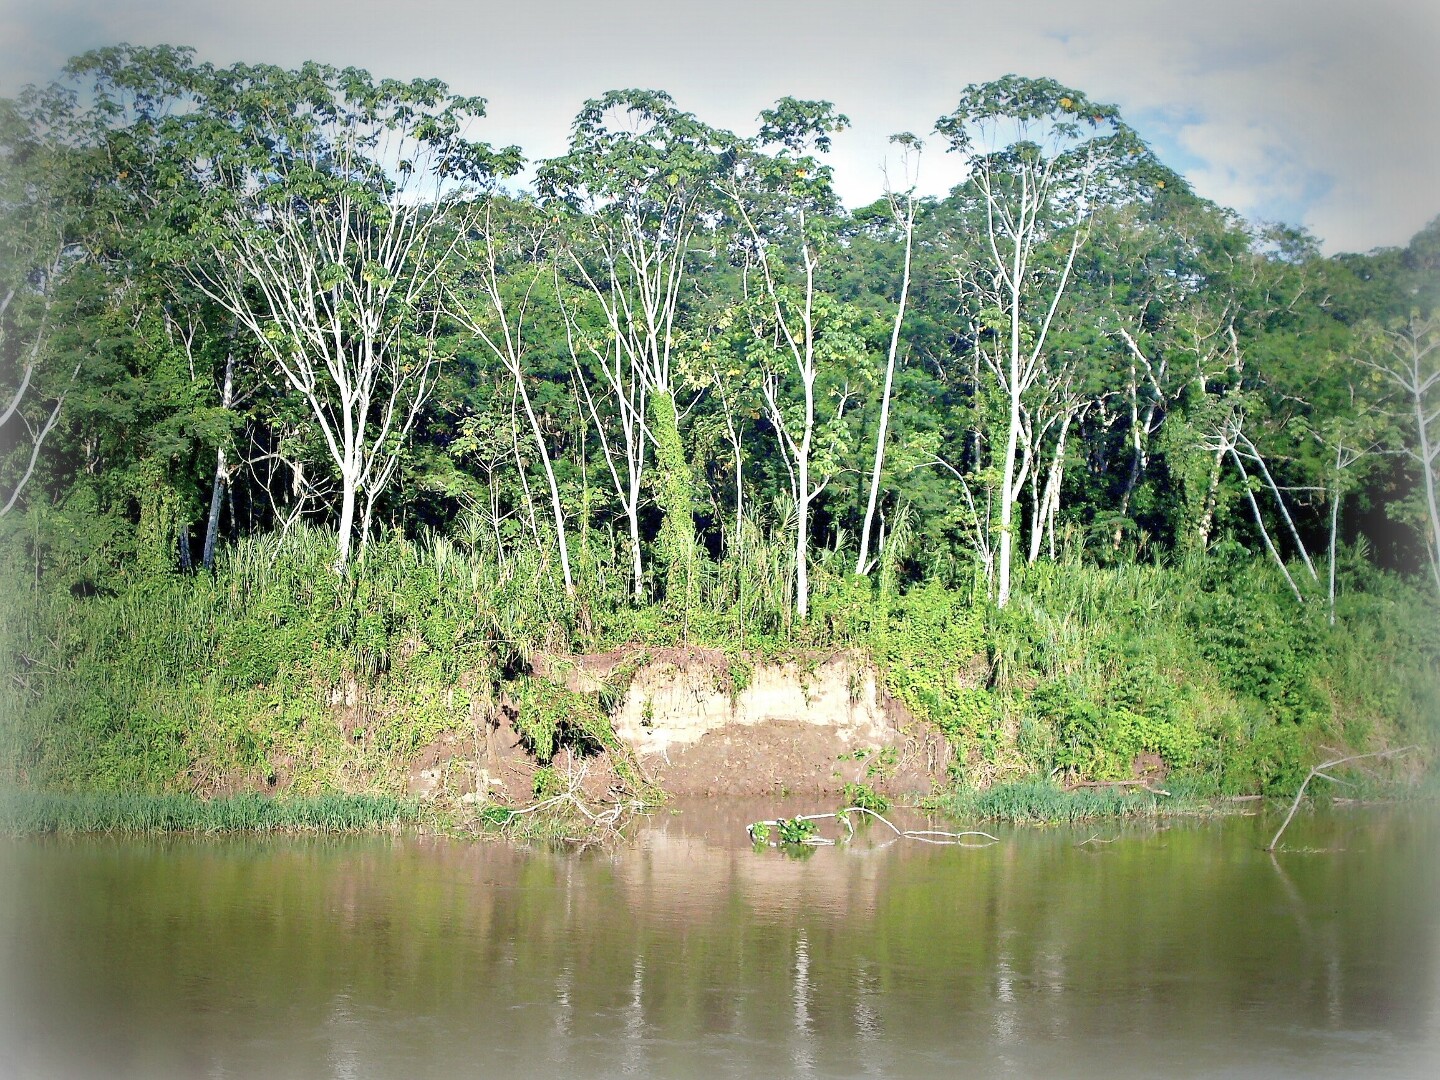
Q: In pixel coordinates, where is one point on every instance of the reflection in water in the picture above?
(803, 1056)
(1182, 950)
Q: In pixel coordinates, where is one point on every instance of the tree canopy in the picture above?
(307, 295)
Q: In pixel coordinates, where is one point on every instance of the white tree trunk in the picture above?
(1334, 529)
(508, 346)
(862, 559)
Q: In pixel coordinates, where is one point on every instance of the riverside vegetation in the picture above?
(321, 446)
(199, 683)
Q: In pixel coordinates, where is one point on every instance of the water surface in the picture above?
(1102, 951)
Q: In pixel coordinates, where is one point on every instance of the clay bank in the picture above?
(699, 722)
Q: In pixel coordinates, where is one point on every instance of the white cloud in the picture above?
(1320, 111)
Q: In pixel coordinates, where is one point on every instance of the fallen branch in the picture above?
(924, 836)
(1319, 770)
(601, 822)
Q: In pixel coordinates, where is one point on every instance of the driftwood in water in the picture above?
(759, 831)
(1319, 770)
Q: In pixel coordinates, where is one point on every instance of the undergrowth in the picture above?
(275, 672)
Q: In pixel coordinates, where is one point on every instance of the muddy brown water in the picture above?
(1179, 950)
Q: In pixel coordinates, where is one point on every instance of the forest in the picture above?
(306, 394)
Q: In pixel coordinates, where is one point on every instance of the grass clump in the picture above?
(1043, 802)
(39, 813)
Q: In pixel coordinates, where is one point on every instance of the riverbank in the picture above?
(41, 813)
(1026, 803)
(434, 675)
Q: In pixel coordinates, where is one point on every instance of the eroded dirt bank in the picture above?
(701, 723)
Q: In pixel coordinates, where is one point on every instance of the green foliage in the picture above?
(930, 647)
(547, 783)
(675, 545)
(1102, 741)
(551, 716)
(865, 797)
(1273, 761)
(162, 684)
(1133, 633)
(1265, 649)
(795, 830)
(1042, 802)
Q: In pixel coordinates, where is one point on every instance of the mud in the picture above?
(701, 723)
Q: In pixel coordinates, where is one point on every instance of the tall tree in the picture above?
(38, 248)
(1408, 356)
(1035, 151)
(507, 260)
(640, 170)
(787, 208)
(902, 209)
(329, 207)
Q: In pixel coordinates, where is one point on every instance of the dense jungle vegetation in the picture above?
(306, 397)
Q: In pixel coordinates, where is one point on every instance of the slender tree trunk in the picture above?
(556, 509)
(1047, 503)
(802, 502)
(1012, 438)
(637, 570)
(346, 528)
(1212, 494)
(1334, 528)
(217, 488)
(739, 494)
(1007, 502)
(1284, 511)
(863, 557)
(802, 532)
(1427, 469)
(212, 520)
(1260, 524)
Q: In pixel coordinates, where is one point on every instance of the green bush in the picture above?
(865, 797)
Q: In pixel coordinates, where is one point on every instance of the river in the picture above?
(1171, 949)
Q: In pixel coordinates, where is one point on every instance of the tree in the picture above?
(498, 319)
(1408, 356)
(902, 209)
(639, 171)
(37, 251)
(786, 207)
(1038, 153)
(328, 202)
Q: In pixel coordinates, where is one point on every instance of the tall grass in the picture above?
(30, 813)
(1045, 803)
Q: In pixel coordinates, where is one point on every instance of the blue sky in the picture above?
(1321, 113)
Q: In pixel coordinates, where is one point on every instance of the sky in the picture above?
(1317, 113)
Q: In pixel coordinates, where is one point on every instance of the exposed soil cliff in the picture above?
(701, 723)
